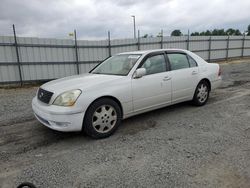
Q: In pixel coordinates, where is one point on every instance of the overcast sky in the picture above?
(93, 18)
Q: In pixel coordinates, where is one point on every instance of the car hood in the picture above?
(83, 82)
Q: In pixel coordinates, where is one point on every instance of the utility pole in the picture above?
(17, 55)
(133, 16)
(76, 53)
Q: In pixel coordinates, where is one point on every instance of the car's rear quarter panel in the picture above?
(211, 71)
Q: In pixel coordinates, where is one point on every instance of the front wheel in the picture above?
(201, 94)
(102, 118)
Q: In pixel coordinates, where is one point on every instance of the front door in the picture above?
(153, 89)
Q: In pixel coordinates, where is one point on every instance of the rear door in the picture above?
(154, 88)
(185, 74)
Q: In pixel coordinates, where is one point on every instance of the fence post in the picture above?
(109, 44)
(138, 39)
(161, 38)
(243, 45)
(188, 41)
(227, 47)
(209, 48)
(76, 52)
(17, 55)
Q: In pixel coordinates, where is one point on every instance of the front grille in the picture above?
(44, 95)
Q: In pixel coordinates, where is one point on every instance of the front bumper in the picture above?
(58, 118)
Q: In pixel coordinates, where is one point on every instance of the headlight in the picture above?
(67, 98)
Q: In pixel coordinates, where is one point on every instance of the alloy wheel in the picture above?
(104, 118)
(202, 93)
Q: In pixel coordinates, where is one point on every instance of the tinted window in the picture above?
(192, 62)
(178, 61)
(155, 64)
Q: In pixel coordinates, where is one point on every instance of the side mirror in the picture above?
(139, 73)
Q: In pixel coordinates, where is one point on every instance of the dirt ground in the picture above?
(177, 146)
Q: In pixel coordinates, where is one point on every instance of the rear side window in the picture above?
(155, 64)
(178, 61)
(192, 62)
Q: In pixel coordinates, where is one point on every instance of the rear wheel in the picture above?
(201, 93)
(102, 118)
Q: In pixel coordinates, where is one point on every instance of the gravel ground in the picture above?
(177, 146)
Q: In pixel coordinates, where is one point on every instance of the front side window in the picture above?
(155, 64)
(178, 61)
(117, 65)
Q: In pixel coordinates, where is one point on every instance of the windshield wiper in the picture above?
(107, 73)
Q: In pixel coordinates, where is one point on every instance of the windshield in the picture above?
(117, 65)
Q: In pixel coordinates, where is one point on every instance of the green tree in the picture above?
(215, 32)
(208, 33)
(195, 34)
(237, 32)
(176, 32)
(219, 32)
(230, 31)
(202, 33)
(248, 30)
(147, 36)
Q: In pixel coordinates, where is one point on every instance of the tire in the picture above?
(27, 185)
(201, 94)
(102, 118)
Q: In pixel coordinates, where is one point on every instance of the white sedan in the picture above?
(122, 86)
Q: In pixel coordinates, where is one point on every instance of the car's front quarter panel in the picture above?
(119, 89)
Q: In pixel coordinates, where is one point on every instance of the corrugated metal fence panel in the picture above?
(219, 42)
(68, 56)
(91, 54)
(86, 54)
(7, 53)
(175, 42)
(235, 42)
(149, 43)
(218, 46)
(247, 45)
(165, 42)
(8, 56)
(40, 56)
(127, 45)
(200, 45)
(9, 73)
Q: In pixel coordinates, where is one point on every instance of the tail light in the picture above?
(219, 73)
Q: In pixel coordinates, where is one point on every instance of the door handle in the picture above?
(166, 78)
(194, 72)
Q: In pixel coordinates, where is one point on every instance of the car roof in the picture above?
(149, 51)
